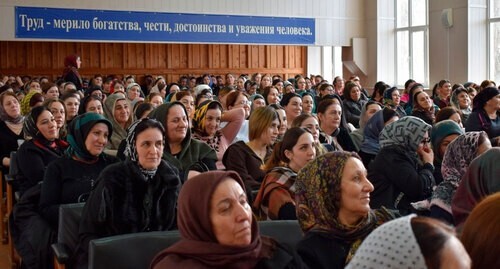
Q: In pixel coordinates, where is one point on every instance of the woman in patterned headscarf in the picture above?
(138, 194)
(396, 173)
(332, 195)
(206, 123)
(459, 154)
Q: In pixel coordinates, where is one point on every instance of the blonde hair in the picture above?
(260, 120)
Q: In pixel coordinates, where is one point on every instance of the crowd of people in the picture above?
(399, 178)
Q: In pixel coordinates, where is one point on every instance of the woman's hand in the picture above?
(426, 154)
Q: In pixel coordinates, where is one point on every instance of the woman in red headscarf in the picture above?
(70, 74)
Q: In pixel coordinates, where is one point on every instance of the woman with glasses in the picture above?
(405, 143)
(237, 100)
(275, 199)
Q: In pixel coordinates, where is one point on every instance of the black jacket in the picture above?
(399, 180)
(68, 181)
(123, 202)
(32, 161)
(318, 251)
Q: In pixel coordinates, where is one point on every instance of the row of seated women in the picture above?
(264, 126)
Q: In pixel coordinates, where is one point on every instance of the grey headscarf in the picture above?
(408, 132)
(392, 245)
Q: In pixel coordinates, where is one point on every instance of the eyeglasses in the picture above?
(426, 140)
(243, 102)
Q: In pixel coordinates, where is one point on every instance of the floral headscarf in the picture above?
(318, 201)
(459, 154)
(407, 132)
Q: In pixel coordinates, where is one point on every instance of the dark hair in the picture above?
(83, 105)
(202, 94)
(431, 235)
(142, 108)
(5, 87)
(325, 103)
(152, 95)
(90, 90)
(408, 82)
(412, 89)
(181, 94)
(233, 96)
(445, 113)
(323, 86)
(487, 82)
(289, 140)
(37, 111)
(266, 92)
(171, 85)
(47, 86)
(276, 81)
(69, 95)
(287, 97)
(388, 113)
(147, 123)
(379, 89)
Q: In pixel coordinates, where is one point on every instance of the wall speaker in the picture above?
(447, 18)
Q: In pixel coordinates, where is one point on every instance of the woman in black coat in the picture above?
(71, 178)
(137, 195)
(44, 147)
(395, 172)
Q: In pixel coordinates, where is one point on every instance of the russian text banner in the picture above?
(105, 25)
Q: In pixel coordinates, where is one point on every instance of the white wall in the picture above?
(458, 53)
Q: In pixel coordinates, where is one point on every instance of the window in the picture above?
(494, 39)
(411, 41)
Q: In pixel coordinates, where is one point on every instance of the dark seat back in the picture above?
(67, 234)
(283, 231)
(134, 251)
(138, 250)
(69, 223)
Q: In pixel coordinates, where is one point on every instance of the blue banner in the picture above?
(105, 25)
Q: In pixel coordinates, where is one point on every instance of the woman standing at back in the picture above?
(71, 65)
